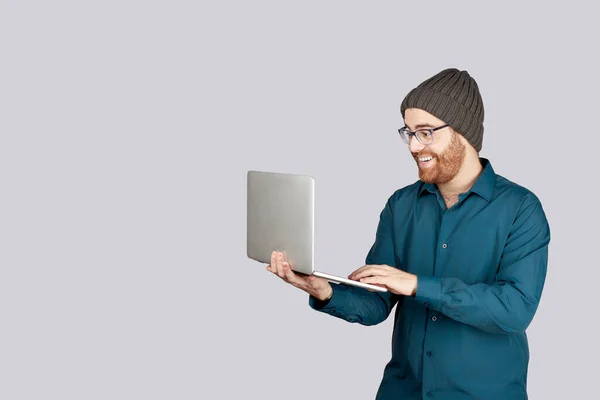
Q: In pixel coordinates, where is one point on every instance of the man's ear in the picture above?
(465, 142)
(461, 138)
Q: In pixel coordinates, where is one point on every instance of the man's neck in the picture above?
(464, 180)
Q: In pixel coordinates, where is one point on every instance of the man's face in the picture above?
(447, 150)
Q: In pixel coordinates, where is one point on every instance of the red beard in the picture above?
(445, 165)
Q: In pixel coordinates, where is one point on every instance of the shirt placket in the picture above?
(431, 330)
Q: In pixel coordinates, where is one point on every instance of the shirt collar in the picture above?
(486, 182)
(483, 186)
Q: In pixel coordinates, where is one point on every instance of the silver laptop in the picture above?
(280, 217)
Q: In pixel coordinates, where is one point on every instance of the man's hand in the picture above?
(394, 279)
(313, 285)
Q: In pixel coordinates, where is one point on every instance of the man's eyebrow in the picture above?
(423, 125)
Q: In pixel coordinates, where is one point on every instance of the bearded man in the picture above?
(463, 253)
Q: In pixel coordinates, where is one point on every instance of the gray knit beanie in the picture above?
(452, 96)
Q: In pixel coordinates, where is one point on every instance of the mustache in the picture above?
(415, 155)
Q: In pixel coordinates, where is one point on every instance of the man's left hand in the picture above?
(392, 278)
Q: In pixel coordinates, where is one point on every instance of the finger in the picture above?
(375, 280)
(370, 270)
(280, 270)
(358, 271)
(289, 274)
(274, 262)
(364, 268)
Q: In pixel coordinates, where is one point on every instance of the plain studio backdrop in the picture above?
(127, 128)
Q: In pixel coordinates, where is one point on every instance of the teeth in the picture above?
(425, 158)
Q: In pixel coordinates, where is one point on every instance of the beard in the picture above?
(446, 164)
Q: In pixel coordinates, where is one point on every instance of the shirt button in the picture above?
(444, 246)
(429, 394)
(429, 354)
(434, 318)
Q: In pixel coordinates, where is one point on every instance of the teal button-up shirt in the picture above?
(481, 267)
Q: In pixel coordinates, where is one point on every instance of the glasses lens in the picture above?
(404, 135)
(425, 136)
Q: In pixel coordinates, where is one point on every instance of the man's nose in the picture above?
(414, 145)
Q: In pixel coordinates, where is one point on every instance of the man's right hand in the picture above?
(317, 287)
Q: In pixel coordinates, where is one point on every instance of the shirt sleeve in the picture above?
(355, 304)
(509, 304)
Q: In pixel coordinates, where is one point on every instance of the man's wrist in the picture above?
(416, 285)
(328, 296)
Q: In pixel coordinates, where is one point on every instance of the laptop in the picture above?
(281, 217)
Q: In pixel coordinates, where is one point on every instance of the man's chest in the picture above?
(465, 241)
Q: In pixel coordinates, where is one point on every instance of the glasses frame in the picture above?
(411, 133)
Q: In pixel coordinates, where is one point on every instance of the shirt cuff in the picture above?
(334, 301)
(429, 291)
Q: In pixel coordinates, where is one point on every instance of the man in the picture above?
(463, 253)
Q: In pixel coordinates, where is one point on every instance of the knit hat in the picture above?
(452, 96)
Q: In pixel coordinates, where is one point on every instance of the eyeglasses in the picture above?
(424, 136)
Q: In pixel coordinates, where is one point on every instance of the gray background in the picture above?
(127, 130)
